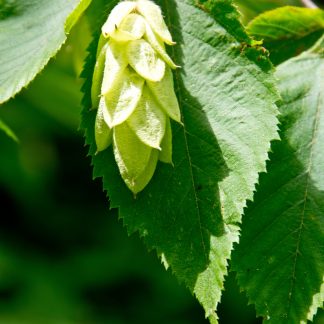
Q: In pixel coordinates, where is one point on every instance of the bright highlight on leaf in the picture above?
(133, 89)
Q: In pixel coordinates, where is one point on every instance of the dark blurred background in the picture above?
(64, 256)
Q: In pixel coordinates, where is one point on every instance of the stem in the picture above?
(309, 4)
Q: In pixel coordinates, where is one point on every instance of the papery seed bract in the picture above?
(148, 120)
(144, 60)
(131, 28)
(132, 156)
(115, 64)
(164, 93)
(166, 146)
(138, 184)
(158, 46)
(98, 77)
(152, 13)
(123, 98)
(116, 16)
(103, 134)
(101, 43)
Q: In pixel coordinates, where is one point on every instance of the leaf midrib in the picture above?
(309, 169)
(176, 74)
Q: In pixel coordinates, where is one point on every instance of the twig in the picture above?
(309, 4)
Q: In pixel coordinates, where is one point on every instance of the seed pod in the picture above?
(134, 83)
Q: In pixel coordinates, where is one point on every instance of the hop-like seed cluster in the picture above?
(133, 91)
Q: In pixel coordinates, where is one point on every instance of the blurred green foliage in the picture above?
(251, 8)
(64, 257)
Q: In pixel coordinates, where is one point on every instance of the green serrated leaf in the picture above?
(227, 16)
(279, 260)
(190, 212)
(31, 32)
(288, 31)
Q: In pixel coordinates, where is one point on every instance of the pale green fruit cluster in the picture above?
(134, 92)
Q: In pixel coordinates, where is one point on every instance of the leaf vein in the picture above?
(188, 152)
(310, 164)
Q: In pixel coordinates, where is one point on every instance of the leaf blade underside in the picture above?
(31, 32)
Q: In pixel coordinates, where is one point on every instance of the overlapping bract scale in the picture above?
(133, 90)
(148, 121)
(122, 98)
(131, 28)
(145, 60)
